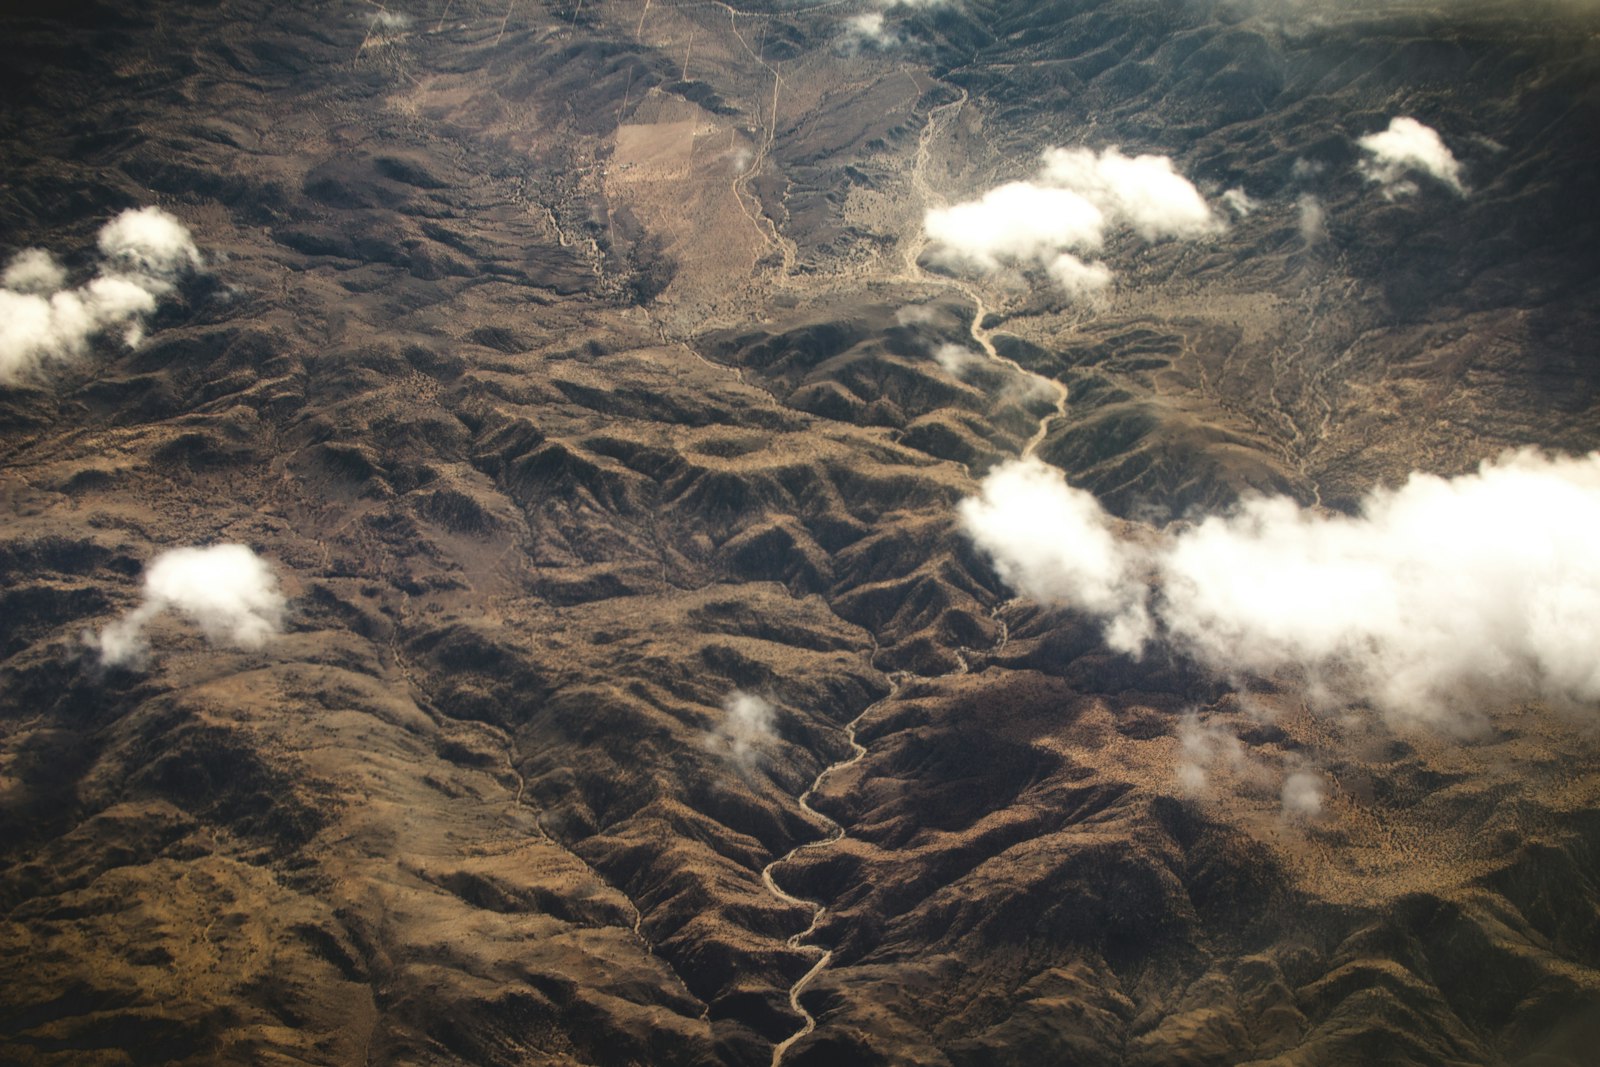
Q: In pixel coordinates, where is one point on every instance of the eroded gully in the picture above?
(834, 832)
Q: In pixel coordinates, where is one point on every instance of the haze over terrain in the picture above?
(658, 532)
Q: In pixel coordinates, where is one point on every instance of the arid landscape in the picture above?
(947, 533)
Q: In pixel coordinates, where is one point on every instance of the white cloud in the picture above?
(227, 590)
(1055, 543)
(34, 270)
(1305, 170)
(147, 243)
(1016, 386)
(1016, 221)
(1192, 777)
(1024, 387)
(1239, 202)
(391, 21)
(1145, 192)
(917, 315)
(1313, 219)
(1301, 794)
(1076, 278)
(748, 722)
(1065, 211)
(867, 30)
(36, 330)
(868, 25)
(956, 360)
(1439, 594)
(1440, 599)
(144, 251)
(870, 29)
(1408, 146)
(1200, 747)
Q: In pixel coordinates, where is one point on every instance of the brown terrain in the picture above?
(572, 366)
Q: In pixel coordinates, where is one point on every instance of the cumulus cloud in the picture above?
(143, 253)
(1408, 147)
(1239, 202)
(918, 315)
(391, 21)
(1016, 221)
(147, 243)
(1439, 598)
(36, 330)
(748, 722)
(870, 29)
(1145, 192)
(1016, 386)
(1207, 749)
(227, 590)
(1200, 747)
(867, 30)
(1079, 280)
(1443, 588)
(1305, 170)
(1008, 383)
(1313, 219)
(956, 360)
(34, 270)
(1055, 543)
(1064, 212)
(1301, 794)
(1025, 388)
